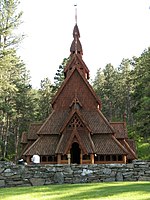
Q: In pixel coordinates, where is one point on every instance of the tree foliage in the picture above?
(127, 90)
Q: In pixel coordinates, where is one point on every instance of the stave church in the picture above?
(76, 131)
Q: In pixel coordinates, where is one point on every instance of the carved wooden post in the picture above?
(69, 158)
(124, 159)
(92, 158)
(58, 159)
(81, 157)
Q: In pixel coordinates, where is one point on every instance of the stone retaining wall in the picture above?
(12, 175)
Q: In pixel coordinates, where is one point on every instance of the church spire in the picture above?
(76, 47)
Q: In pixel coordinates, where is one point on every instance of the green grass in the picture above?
(92, 191)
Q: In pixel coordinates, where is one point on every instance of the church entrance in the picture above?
(75, 153)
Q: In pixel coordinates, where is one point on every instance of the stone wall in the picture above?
(12, 175)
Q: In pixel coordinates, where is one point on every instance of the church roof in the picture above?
(107, 144)
(120, 129)
(129, 144)
(85, 81)
(44, 145)
(33, 129)
(54, 123)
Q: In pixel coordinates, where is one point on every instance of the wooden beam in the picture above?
(58, 159)
(125, 159)
(92, 158)
(81, 157)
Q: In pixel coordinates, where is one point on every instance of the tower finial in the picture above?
(75, 13)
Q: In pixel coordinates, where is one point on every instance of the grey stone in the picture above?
(119, 176)
(2, 183)
(59, 178)
(1, 170)
(68, 170)
(7, 170)
(37, 181)
(107, 171)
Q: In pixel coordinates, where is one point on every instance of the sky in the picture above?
(110, 30)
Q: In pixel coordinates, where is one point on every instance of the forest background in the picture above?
(124, 91)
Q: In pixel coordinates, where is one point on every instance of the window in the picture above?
(108, 158)
(114, 158)
(64, 157)
(43, 158)
(52, 158)
(86, 157)
(119, 157)
(75, 122)
(101, 158)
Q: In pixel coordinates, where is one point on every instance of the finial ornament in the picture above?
(75, 5)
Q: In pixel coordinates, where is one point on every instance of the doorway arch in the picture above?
(75, 153)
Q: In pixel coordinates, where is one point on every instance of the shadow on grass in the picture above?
(80, 191)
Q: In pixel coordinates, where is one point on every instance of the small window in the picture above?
(86, 157)
(108, 158)
(50, 158)
(114, 158)
(43, 158)
(64, 157)
(119, 157)
(101, 158)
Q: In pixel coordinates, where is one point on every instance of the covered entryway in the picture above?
(75, 153)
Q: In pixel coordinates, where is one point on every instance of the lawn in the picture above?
(91, 191)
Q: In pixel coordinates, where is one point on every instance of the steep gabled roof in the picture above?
(33, 129)
(77, 61)
(96, 121)
(53, 123)
(120, 129)
(107, 144)
(85, 81)
(67, 139)
(49, 142)
(130, 146)
(75, 112)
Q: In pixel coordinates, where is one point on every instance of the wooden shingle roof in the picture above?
(33, 129)
(54, 123)
(44, 145)
(96, 121)
(85, 82)
(129, 144)
(120, 129)
(106, 144)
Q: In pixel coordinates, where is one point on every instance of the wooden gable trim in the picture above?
(120, 145)
(70, 117)
(124, 127)
(75, 134)
(59, 143)
(130, 149)
(74, 59)
(92, 143)
(85, 81)
(75, 100)
(38, 133)
(27, 150)
(106, 121)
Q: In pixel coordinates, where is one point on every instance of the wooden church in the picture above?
(77, 131)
